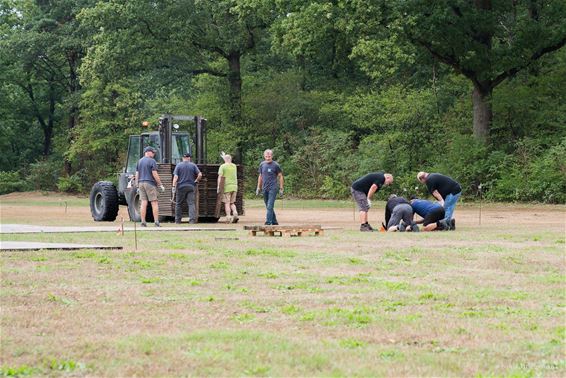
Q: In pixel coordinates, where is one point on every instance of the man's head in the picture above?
(422, 176)
(186, 156)
(149, 151)
(391, 196)
(268, 155)
(388, 179)
(227, 158)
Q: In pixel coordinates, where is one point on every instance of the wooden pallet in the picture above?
(286, 231)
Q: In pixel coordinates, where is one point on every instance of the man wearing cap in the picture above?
(228, 172)
(147, 180)
(185, 178)
(446, 190)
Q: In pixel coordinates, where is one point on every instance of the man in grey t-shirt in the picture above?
(269, 182)
(185, 178)
(147, 180)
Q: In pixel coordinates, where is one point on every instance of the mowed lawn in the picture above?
(484, 300)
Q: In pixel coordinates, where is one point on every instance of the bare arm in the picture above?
(281, 181)
(372, 191)
(259, 182)
(175, 179)
(199, 176)
(136, 177)
(437, 195)
(156, 177)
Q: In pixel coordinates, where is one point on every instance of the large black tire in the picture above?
(104, 201)
(134, 207)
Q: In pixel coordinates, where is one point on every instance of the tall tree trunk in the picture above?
(73, 88)
(235, 82)
(481, 100)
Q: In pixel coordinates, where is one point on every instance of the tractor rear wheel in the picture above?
(104, 201)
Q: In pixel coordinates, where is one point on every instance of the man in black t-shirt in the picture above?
(446, 190)
(363, 189)
(399, 215)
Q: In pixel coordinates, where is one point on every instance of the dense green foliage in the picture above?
(337, 89)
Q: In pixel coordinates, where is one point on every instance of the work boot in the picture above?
(453, 224)
(443, 225)
(143, 224)
(366, 227)
(157, 224)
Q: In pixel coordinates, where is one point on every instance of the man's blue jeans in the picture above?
(450, 205)
(269, 197)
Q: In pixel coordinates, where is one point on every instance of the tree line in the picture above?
(337, 88)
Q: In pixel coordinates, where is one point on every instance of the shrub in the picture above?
(43, 175)
(11, 182)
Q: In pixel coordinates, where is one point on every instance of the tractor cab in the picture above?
(180, 144)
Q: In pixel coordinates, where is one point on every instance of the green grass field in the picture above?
(477, 302)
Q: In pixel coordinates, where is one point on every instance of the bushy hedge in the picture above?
(12, 182)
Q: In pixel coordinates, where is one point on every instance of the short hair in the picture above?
(421, 175)
(227, 157)
(413, 197)
(391, 196)
(268, 150)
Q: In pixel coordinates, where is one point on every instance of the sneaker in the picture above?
(143, 224)
(453, 224)
(370, 227)
(157, 224)
(235, 219)
(366, 227)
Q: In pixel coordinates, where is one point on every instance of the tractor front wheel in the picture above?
(104, 201)
(134, 207)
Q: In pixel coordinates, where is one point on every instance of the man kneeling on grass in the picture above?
(399, 215)
(432, 214)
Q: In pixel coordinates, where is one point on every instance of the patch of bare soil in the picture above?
(468, 217)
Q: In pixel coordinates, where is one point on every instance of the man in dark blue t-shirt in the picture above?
(363, 189)
(185, 178)
(147, 181)
(269, 182)
(446, 190)
(431, 212)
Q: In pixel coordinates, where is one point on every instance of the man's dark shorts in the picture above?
(434, 216)
(361, 199)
